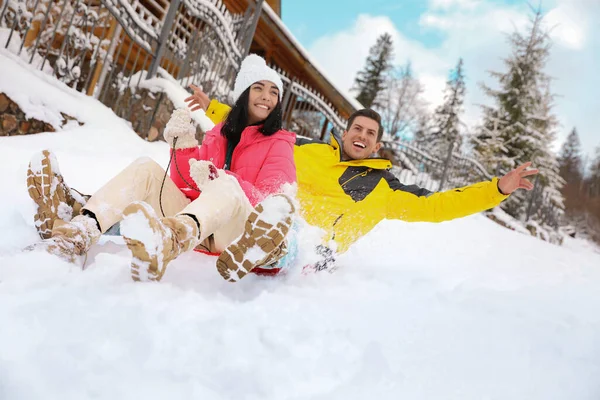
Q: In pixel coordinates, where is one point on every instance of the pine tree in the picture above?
(570, 165)
(592, 199)
(520, 126)
(422, 131)
(446, 119)
(594, 175)
(371, 79)
(570, 159)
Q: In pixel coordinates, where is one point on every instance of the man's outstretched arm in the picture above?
(413, 204)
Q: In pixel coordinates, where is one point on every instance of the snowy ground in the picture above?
(460, 310)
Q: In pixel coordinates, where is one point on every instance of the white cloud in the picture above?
(343, 54)
(476, 31)
(569, 25)
(484, 21)
(434, 84)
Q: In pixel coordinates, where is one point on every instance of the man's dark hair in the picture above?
(237, 119)
(368, 113)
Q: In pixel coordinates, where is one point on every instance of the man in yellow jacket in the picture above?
(344, 190)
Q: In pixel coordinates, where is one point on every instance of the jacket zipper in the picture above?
(357, 175)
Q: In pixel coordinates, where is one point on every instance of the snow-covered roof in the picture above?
(273, 15)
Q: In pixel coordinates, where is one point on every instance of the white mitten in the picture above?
(180, 126)
(202, 172)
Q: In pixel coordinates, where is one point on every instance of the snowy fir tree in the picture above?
(400, 103)
(570, 165)
(588, 213)
(570, 159)
(446, 124)
(520, 126)
(593, 179)
(371, 79)
(422, 130)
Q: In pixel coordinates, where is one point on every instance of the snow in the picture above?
(37, 163)
(15, 47)
(77, 197)
(64, 211)
(254, 254)
(136, 226)
(460, 310)
(275, 209)
(509, 221)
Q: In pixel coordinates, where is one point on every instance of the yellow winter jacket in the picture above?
(348, 198)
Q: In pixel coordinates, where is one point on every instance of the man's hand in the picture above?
(515, 179)
(199, 100)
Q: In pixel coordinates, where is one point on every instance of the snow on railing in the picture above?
(127, 16)
(318, 102)
(461, 169)
(146, 15)
(218, 18)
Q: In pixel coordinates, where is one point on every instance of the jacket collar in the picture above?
(371, 162)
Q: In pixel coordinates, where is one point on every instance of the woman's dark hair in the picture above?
(237, 119)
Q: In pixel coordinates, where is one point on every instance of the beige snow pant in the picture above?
(221, 209)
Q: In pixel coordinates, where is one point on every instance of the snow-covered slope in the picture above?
(460, 310)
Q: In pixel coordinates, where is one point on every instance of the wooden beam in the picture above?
(276, 6)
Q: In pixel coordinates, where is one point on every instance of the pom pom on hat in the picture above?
(254, 69)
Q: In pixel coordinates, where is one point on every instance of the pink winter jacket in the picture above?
(260, 163)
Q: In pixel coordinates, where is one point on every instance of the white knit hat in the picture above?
(254, 69)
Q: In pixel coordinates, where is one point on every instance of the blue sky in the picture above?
(308, 25)
(433, 34)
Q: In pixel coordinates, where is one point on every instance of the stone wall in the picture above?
(147, 111)
(13, 121)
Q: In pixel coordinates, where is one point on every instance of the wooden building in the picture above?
(277, 45)
(275, 42)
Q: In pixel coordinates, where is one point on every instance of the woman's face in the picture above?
(263, 98)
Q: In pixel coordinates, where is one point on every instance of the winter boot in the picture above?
(54, 199)
(263, 240)
(71, 240)
(154, 241)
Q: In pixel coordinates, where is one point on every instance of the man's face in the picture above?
(360, 141)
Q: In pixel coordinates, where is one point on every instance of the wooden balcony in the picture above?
(274, 42)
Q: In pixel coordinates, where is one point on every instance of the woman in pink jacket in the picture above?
(223, 190)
